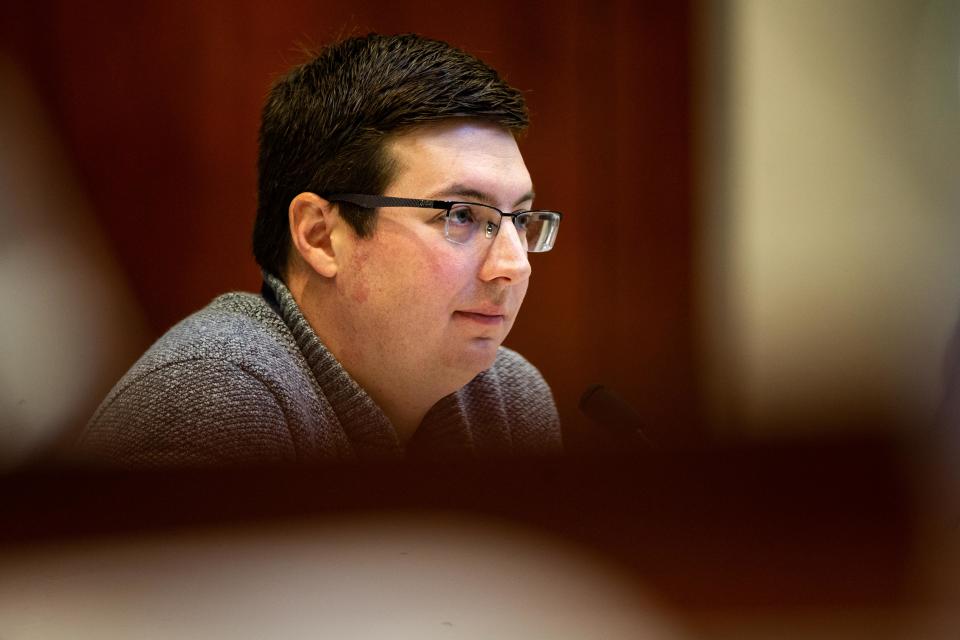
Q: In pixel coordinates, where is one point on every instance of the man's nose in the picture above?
(507, 256)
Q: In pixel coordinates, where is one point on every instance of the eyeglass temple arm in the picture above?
(371, 202)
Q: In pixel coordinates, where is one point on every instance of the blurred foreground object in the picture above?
(807, 539)
(69, 325)
(370, 575)
(830, 211)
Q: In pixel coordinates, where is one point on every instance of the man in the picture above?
(393, 226)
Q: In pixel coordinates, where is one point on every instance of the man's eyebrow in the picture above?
(463, 191)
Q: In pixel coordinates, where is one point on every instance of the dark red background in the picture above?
(157, 104)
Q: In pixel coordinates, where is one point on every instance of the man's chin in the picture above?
(478, 356)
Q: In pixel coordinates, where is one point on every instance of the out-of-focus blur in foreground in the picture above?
(830, 210)
(69, 325)
(853, 539)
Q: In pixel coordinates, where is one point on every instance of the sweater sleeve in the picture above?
(189, 413)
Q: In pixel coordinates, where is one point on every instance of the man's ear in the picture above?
(312, 222)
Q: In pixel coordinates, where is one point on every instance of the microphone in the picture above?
(609, 410)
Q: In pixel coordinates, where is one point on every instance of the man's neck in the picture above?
(405, 399)
(404, 411)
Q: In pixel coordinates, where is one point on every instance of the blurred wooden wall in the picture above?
(158, 105)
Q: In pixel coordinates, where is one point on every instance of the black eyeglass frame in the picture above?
(373, 202)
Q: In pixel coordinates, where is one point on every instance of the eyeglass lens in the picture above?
(537, 229)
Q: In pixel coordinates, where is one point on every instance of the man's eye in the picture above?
(461, 216)
(522, 220)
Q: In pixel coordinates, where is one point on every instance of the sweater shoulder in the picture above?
(226, 383)
(189, 413)
(234, 326)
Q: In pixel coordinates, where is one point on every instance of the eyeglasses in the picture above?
(537, 229)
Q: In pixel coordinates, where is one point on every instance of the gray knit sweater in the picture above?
(246, 380)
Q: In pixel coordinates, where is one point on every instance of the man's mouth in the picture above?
(481, 317)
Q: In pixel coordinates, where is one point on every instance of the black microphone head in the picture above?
(587, 394)
(609, 410)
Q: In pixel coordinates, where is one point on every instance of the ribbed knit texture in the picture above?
(246, 380)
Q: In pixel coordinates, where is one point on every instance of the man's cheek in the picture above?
(355, 284)
(359, 292)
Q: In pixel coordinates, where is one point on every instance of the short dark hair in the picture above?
(325, 124)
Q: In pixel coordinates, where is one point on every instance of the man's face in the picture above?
(415, 304)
